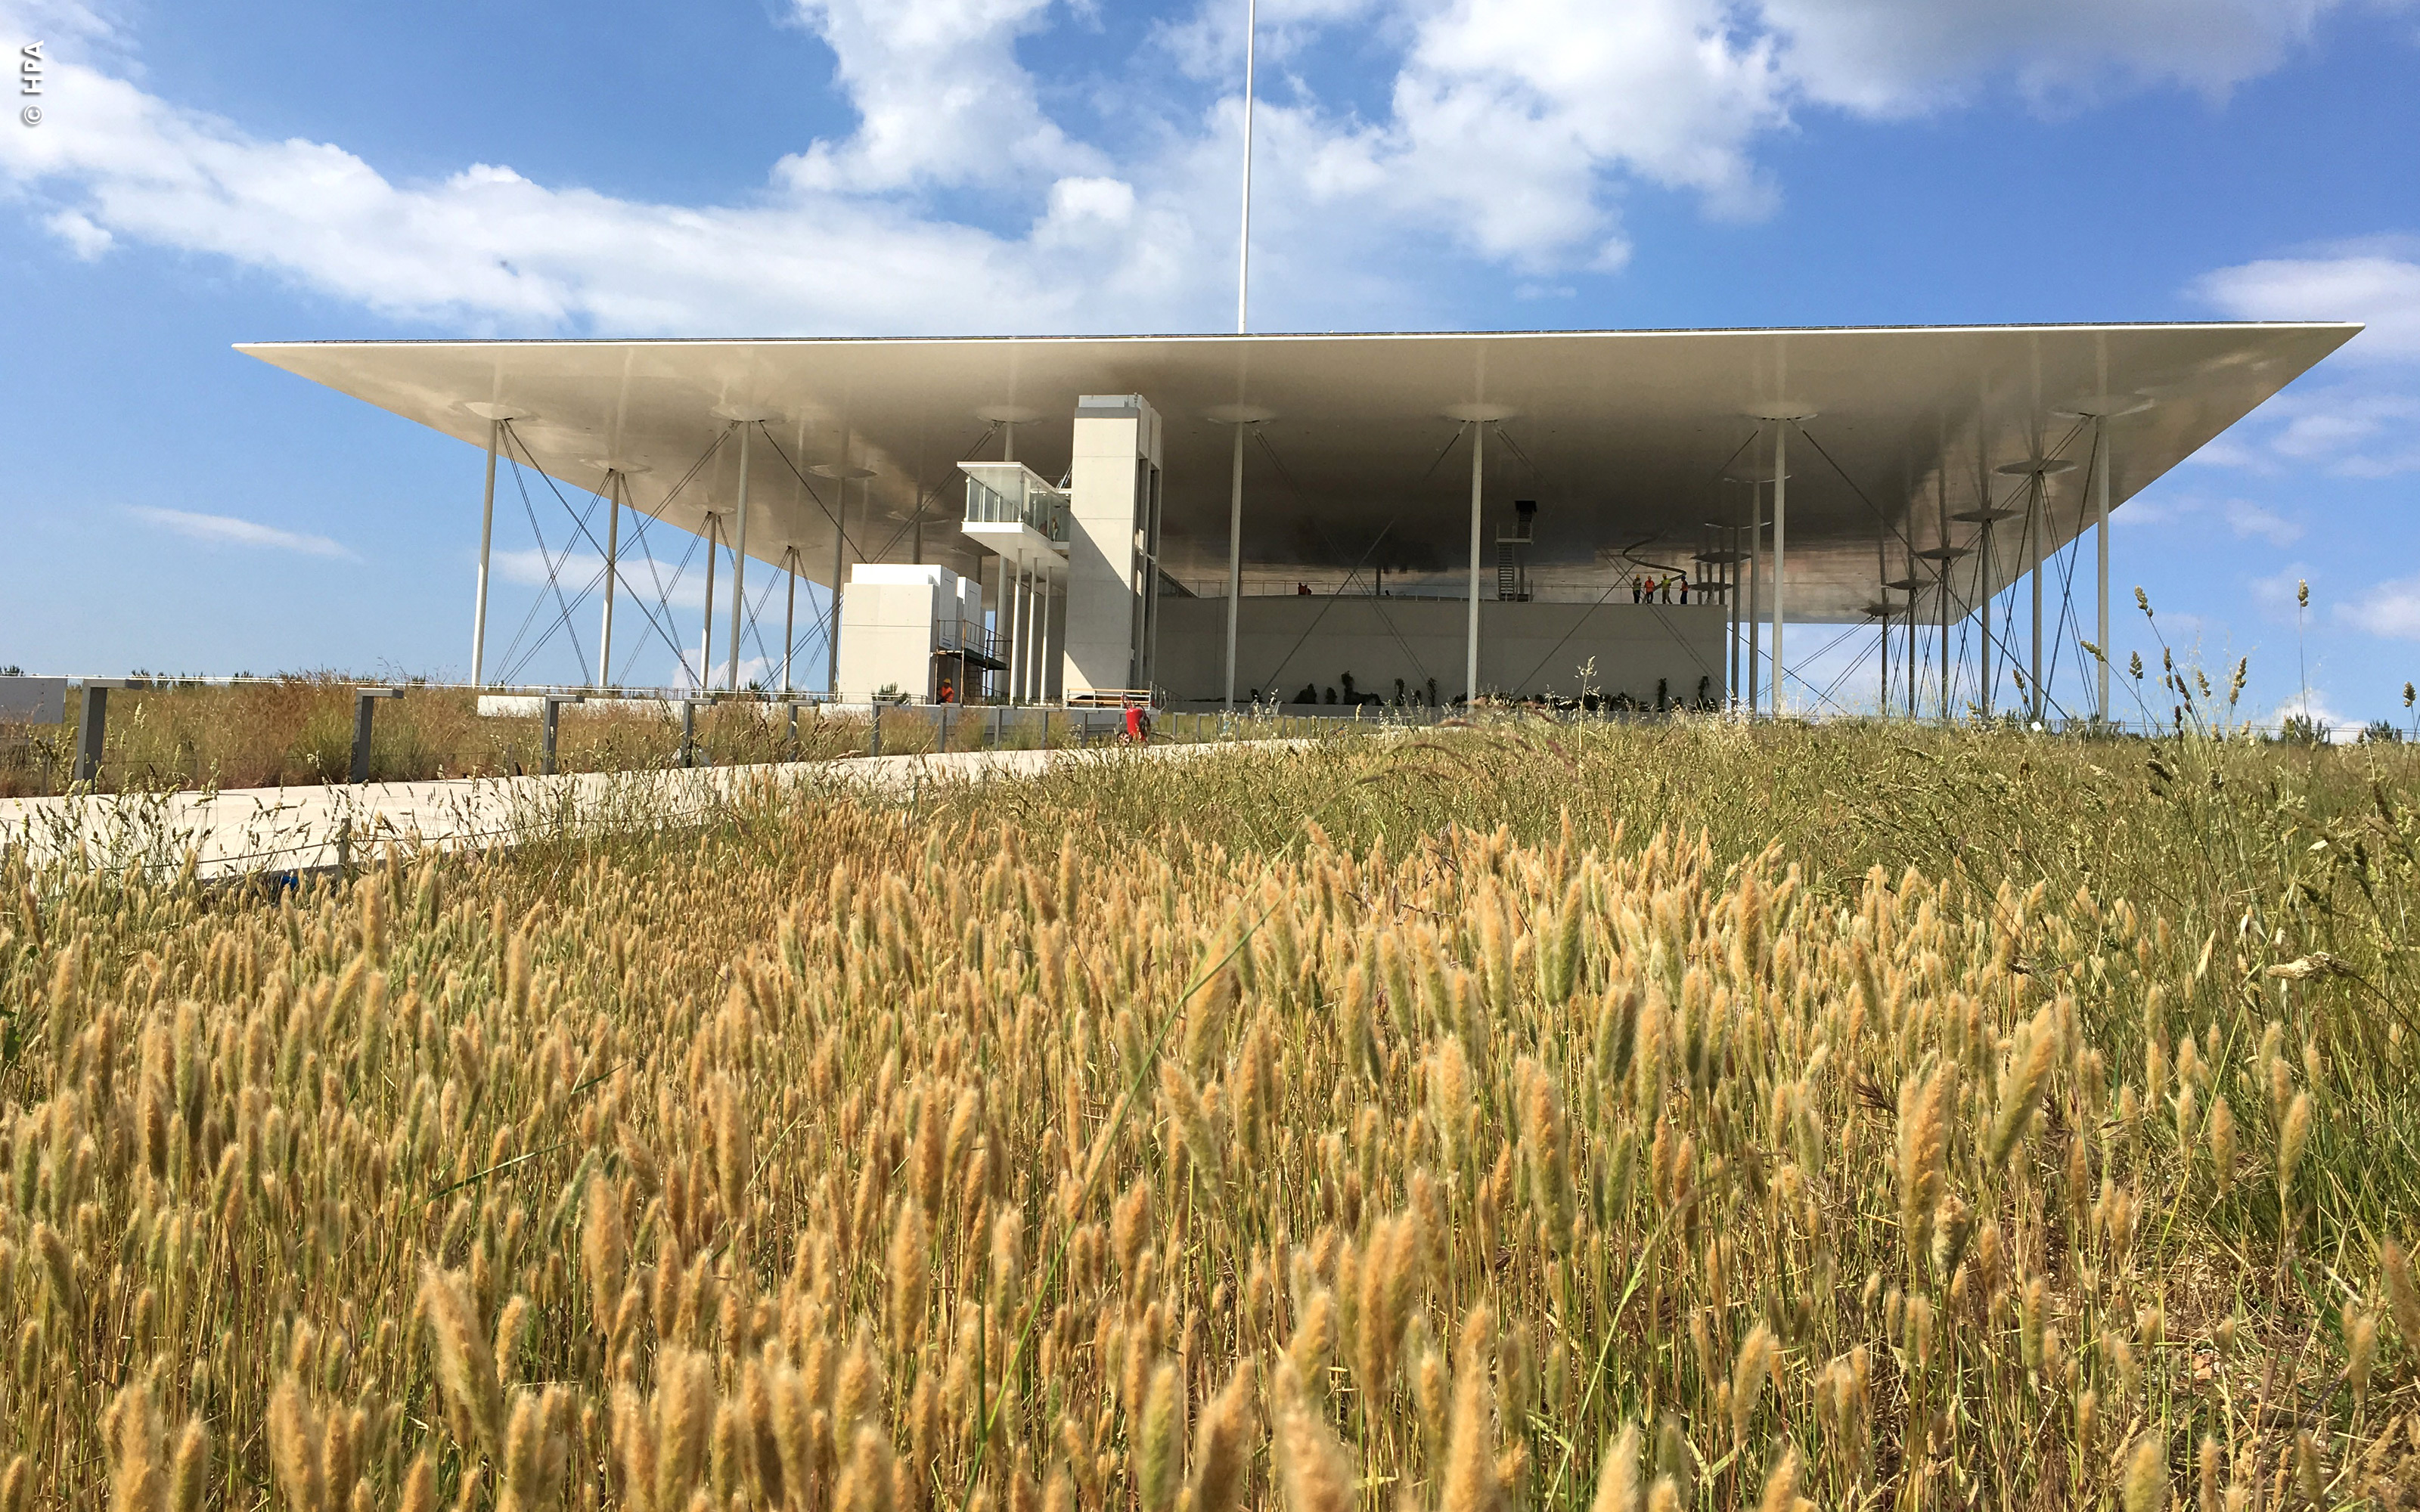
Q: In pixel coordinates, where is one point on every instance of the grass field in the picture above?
(1687, 1116)
(298, 732)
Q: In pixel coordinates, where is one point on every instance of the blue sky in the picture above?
(212, 173)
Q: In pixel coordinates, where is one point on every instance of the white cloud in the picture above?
(2314, 706)
(2364, 283)
(2228, 449)
(86, 239)
(2275, 595)
(1898, 57)
(1508, 131)
(584, 572)
(1511, 119)
(227, 530)
(2366, 424)
(939, 94)
(2244, 519)
(2390, 609)
(2248, 520)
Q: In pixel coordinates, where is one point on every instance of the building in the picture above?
(1369, 517)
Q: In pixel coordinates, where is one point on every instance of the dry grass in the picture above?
(1492, 1119)
(298, 732)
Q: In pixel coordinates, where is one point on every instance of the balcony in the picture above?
(1005, 500)
(965, 637)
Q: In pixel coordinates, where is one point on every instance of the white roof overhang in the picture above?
(1626, 440)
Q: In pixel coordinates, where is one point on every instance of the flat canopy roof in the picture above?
(1630, 442)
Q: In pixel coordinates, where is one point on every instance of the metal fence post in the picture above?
(92, 724)
(364, 707)
(554, 702)
(874, 718)
(688, 732)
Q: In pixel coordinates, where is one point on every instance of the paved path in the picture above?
(248, 831)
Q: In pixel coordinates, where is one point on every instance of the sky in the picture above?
(207, 174)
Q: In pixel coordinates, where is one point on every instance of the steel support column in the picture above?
(2100, 564)
(2037, 507)
(705, 636)
(487, 534)
(1732, 615)
(1755, 596)
(1780, 555)
(790, 621)
(612, 570)
(840, 566)
(1941, 584)
(739, 555)
(1013, 641)
(1236, 530)
(1470, 654)
(1983, 587)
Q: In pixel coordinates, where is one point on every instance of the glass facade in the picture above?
(1007, 493)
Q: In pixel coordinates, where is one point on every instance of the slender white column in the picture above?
(1886, 651)
(1012, 580)
(1470, 654)
(1941, 584)
(840, 549)
(1781, 554)
(1911, 592)
(2100, 565)
(739, 554)
(998, 627)
(790, 615)
(1755, 596)
(1731, 616)
(2036, 508)
(1983, 582)
(487, 534)
(1028, 586)
(1234, 544)
(1016, 636)
(1037, 605)
(612, 570)
(706, 637)
(1054, 645)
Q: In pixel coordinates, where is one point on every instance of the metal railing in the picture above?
(1043, 511)
(965, 636)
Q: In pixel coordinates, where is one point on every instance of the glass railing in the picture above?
(1007, 494)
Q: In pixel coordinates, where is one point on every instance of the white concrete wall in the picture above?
(1523, 649)
(887, 622)
(1097, 636)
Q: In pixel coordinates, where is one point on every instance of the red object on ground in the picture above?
(1134, 725)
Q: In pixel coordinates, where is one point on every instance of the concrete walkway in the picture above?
(247, 831)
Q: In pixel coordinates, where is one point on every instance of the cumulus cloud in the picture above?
(1503, 129)
(2246, 519)
(2314, 706)
(2366, 282)
(2251, 521)
(2390, 609)
(1897, 57)
(2275, 595)
(941, 97)
(227, 530)
(2366, 424)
